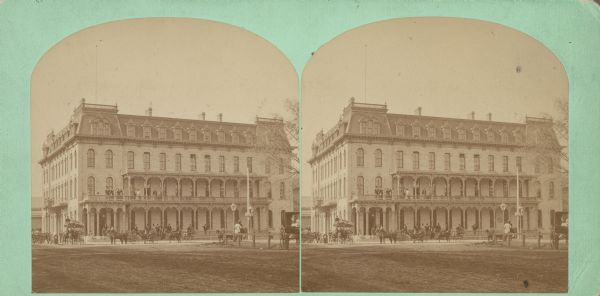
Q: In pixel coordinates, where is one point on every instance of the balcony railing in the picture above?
(426, 198)
(169, 199)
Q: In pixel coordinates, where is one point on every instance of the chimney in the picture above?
(418, 111)
(220, 116)
(149, 111)
(472, 115)
(203, 116)
(489, 116)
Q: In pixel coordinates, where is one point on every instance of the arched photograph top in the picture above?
(168, 145)
(444, 138)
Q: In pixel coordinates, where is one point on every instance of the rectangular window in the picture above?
(281, 166)
(177, 134)
(163, 161)
(432, 161)
(178, 162)
(162, 133)
(221, 163)
(193, 162)
(519, 163)
(236, 164)
(130, 160)
(462, 164)
(505, 163)
(399, 159)
(490, 163)
(447, 164)
(415, 160)
(476, 163)
(207, 163)
(249, 164)
(146, 160)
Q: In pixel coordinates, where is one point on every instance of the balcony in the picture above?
(52, 203)
(174, 199)
(445, 199)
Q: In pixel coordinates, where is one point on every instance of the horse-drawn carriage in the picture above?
(342, 232)
(73, 233)
(289, 229)
(560, 229)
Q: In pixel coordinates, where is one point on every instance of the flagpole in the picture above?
(518, 206)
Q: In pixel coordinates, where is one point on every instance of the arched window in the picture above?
(360, 185)
(108, 159)
(378, 182)
(360, 157)
(378, 158)
(551, 189)
(109, 183)
(281, 190)
(91, 158)
(91, 185)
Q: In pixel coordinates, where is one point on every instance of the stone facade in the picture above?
(111, 169)
(377, 168)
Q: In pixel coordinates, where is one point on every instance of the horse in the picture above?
(444, 234)
(392, 236)
(148, 236)
(175, 235)
(418, 235)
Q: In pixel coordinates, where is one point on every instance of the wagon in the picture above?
(289, 228)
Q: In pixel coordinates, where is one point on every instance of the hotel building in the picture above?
(376, 168)
(108, 169)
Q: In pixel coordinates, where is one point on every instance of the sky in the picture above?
(179, 67)
(448, 66)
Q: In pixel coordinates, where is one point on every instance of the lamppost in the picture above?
(249, 210)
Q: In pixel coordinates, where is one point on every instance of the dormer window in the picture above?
(446, 133)
(376, 128)
(177, 134)
(490, 136)
(416, 131)
(131, 130)
(147, 132)
(363, 127)
(431, 132)
(192, 135)
(476, 135)
(518, 137)
(162, 133)
(504, 137)
(206, 136)
(462, 134)
(400, 130)
(221, 136)
(235, 138)
(94, 128)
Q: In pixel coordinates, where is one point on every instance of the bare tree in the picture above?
(551, 144)
(279, 139)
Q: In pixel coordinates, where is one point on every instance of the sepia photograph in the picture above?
(434, 159)
(164, 159)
